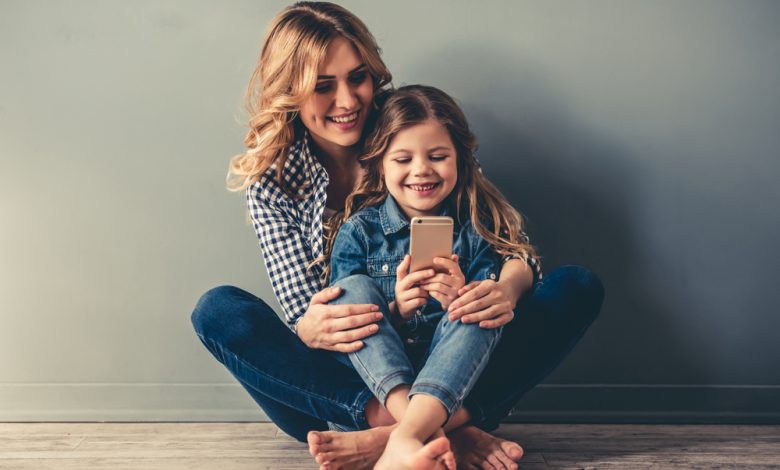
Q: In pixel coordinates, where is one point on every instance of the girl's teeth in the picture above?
(426, 187)
(345, 119)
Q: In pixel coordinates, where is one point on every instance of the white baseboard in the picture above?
(597, 403)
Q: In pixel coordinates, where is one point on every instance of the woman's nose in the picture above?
(345, 97)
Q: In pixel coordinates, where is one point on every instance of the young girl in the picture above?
(419, 161)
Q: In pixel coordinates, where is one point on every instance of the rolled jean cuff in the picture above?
(390, 382)
(451, 402)
(359, 409)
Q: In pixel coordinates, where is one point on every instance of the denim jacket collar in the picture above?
(393, 219)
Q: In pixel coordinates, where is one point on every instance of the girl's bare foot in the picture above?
(407, 453)
(358, 450)
(474, 448)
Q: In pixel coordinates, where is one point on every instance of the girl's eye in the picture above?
(403, 160)
(438, 158)
(358, 78)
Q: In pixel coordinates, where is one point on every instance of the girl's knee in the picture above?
(358, 288)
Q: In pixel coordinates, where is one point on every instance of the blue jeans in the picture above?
(303, 389)
(455, 352)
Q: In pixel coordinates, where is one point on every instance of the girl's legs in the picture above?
(299, 388)
(382, 361)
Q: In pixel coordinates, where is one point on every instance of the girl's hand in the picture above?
(484, 302)
(337, 327)
(409, 297)
(444, 286)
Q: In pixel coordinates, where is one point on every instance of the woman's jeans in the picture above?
(303, 389)
(455, 352)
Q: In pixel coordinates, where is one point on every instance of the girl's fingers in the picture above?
(451, 266)
(403, 268)
(415, 277)
(417, 292)
(441, 288)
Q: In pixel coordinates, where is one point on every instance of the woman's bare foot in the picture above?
(407, 453)
(473, 447)
(358, 450)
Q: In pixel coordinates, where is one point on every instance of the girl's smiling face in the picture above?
(336, 112)
(420, 168)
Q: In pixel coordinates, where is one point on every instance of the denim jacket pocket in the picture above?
(382, 270)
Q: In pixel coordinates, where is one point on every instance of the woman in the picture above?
(311, 99)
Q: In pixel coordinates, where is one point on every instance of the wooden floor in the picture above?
(260, 446)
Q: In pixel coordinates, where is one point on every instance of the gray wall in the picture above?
(639, 138)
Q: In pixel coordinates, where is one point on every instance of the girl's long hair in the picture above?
(284, 78)
(474, 198)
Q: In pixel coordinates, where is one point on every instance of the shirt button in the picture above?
(418, 312)
(409, 340)
(492, 276)
(385, 267)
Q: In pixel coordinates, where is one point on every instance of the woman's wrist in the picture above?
(516, 278)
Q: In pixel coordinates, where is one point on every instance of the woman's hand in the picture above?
(444, 286)
(337, 327)
(408, 295)
(484, 302)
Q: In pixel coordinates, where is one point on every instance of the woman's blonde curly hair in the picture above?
(285, 77)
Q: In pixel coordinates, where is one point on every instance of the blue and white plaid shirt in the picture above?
(290, 230)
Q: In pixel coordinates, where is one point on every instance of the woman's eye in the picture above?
(358, 78)
(324, 88)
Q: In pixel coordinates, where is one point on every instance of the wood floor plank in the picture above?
(239, 446)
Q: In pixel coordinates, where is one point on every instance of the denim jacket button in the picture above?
(410, 340)
(385, 267)
(492, 276)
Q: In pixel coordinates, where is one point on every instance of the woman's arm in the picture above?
(299, 292)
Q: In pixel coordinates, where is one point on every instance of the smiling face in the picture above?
(420, 168)
(336, 112)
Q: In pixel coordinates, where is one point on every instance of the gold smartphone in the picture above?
(431, 237)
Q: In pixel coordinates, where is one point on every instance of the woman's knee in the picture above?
(570, 289)
(217, 308)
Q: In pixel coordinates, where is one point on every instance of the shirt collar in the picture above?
(393, 219)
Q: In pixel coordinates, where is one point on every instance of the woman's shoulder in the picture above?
(270, 188)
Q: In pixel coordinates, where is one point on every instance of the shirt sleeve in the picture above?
(285, 251)
(531, 258)
(348, 255)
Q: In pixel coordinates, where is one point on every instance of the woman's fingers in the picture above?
(347, 347)
(348, 310)
(488, 313)
(325, 295)
(500, 320)
(464, 303)
(353, 321)
(350, 336)
(462, 298)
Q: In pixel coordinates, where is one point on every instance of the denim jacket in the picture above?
(375, 240)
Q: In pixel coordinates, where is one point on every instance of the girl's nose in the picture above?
(421, 167)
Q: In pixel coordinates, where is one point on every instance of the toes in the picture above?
(512, 450)
(436, 447)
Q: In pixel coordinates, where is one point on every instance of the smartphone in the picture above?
(431, 237)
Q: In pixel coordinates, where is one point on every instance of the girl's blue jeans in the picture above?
(443, 359)
(303, 389)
